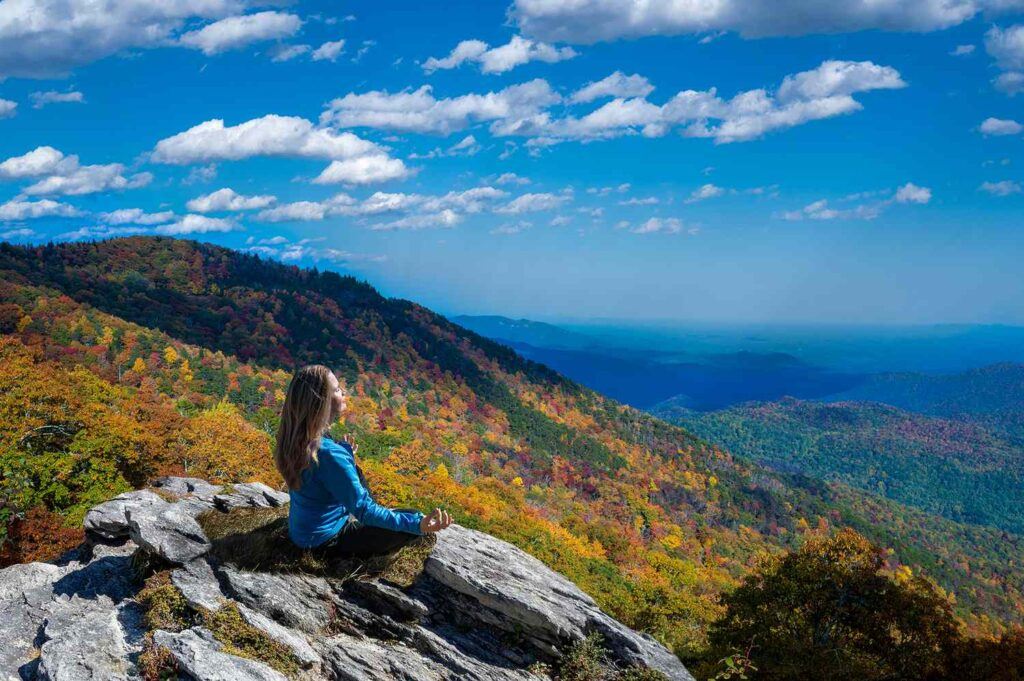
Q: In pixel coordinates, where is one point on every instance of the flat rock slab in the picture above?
(200, 656)
(197, 583)
(532, 596)
(250, 495)
(85, 642)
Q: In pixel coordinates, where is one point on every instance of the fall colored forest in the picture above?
(130, 358)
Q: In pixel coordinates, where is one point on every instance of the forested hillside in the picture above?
(956, 469)
(132, 357)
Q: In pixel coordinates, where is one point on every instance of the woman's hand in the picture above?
(351, 442)
(435, 522)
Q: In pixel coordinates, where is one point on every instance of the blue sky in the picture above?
(721, 161)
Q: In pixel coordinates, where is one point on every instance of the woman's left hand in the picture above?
(351, 442)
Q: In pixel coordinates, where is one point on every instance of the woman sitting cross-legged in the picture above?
(331, 505)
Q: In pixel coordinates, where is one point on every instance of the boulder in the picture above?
(166, 532)
(197, 583)
(109, 519)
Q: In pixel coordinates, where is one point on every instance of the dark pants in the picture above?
(358, 540)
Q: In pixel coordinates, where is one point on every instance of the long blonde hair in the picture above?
(305, 417)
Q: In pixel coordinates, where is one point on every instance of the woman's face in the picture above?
(338, 397)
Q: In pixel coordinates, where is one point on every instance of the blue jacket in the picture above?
(330, 491)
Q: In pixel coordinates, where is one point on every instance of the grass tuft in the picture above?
(165, 607)
(244, 640)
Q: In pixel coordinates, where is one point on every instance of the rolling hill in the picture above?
(132, 357)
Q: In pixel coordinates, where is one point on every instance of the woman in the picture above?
(325, 484)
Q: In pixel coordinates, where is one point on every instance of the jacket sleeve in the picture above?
(338, 470)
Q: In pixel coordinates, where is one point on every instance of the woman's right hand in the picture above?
(436, 521)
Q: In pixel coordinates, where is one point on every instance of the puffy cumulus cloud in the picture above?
(281, 248)
(640, 201)
(911, 193)
(819, 93)
(228, 199)
(473, 200)
(20, 233)
(443, 218)
(511, 178)
(1004, 188)
(136, 216)
(43, 38)
(823, 210)
(420, 111)
(65, 175)
(89, 180)
(706, 191)
(1000, 126)
(589, 21)
(1006, 46)
(235, 32)
(616, 85)
(197, 224)
(962, 50)
(659, 226)
(40, 161)
(329, 51)
(101, 232)
(41, 99)
(7, 108)
(532, 203)
(354, 160)
(25, 210)
(516, 52)
(364, 170)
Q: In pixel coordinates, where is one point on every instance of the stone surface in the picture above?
(200, 656)
(197, 583)
(481, 610)
(167, 532)
(108, 520)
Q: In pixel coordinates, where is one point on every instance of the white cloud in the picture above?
(999, 126)
(911, 193)
(288, 52)
(270, 135)
(512, 227)
(516, 52)
(819, 93)
(364, 170)
(531, 203)
(822, 210)
(89, 180)
(1006, 46)
(228, 199)
(641, 201)
(560, 220)
(201, 175)
(605, 191)
(467, 146)
(512, 178)
(23, 210)
(472, 200)
(136, 216)
(1010, 83)
(962, 50)
(1004, 188)
(7, 108)
(16, 233)
(40, 161)
(589, 21)
(420, 111)
(43, 39)
(329, 51)
(280, 247)
(64, 175)
(236, 32)
(197, 224)
(706, 191)
(41, 99)
(444, 218)
(660, 225)
(616, 85)
(101, 232)
(307, 211)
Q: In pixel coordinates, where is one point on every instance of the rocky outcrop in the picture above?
(481, 609)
